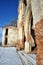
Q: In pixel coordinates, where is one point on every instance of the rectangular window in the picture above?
(6, 33)
(25, 2)
(5, 41)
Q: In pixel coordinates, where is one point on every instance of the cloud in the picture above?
(0, 34)
(0, 30)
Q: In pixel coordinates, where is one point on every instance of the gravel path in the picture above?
(10, 56)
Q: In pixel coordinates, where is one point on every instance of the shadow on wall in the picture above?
(33, 33)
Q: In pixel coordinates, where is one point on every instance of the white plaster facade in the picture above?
(37, 10)
(12, 36)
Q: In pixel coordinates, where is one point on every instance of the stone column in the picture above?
(21, 10)
(27, 27)
(37, 11)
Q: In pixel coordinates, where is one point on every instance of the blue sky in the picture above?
(8, 12)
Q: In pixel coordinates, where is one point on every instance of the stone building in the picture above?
(29, 30)
(24, 25)
(10, 35)
(32, 9)
(37, 11)
(25, 39)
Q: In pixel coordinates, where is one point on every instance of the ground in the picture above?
(10, 56)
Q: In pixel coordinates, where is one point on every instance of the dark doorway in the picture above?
(25, 2)
(6, 33)
(5, 41)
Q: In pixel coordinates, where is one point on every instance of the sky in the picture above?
(8, 12)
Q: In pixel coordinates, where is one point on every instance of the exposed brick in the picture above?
(39, 41)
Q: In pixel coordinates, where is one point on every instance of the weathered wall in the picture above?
(24, 23)
(3, 37)
(27, 27)
(12, 37)
(37, 11)
(39, 41)
(21, 10)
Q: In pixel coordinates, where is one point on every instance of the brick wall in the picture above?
(39, 41)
